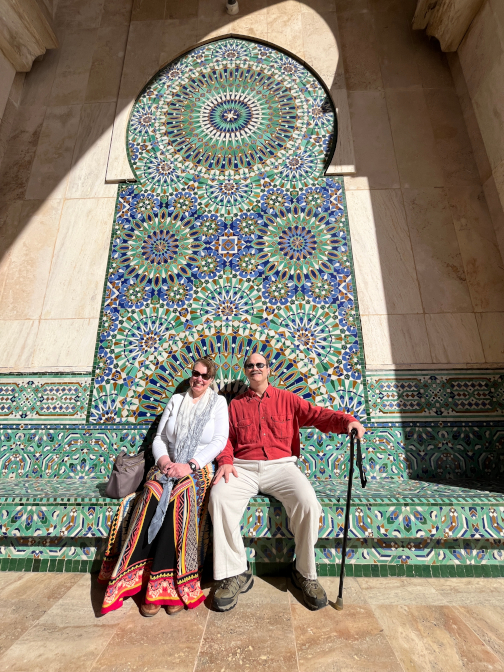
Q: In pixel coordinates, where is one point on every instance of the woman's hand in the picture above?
(164, 463)
(178, 470)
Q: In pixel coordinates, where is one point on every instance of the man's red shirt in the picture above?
(267, 427)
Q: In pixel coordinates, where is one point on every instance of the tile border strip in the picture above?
(488, 571)
(435, 394)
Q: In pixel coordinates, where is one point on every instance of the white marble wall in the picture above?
(56, 211)
(308, 29)
(478, 70)
(429, 271)
(430, 274)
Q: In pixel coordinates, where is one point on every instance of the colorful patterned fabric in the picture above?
(168, 568)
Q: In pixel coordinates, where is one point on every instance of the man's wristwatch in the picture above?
(194, 468)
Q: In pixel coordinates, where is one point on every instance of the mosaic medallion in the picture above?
(230, 109)
(232, 241)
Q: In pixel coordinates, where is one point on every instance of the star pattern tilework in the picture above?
(232, 241)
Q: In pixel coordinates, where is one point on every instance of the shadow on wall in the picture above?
(67, 111)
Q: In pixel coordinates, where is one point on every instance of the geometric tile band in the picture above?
(432, 394)
(53, 505)
(44, 398)
(33, 456)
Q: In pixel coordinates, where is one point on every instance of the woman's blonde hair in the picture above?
(211, 366)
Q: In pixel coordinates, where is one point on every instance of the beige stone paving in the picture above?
(52, 622)
(424, 209)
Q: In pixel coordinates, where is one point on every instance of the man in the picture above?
(260, 456)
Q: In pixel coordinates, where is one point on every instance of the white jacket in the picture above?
(213, 439)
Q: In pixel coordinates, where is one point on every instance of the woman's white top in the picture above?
(212, 441)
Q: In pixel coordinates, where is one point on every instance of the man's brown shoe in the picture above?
(314, 596)
(149, 609)
(228, 590)
(174, 609)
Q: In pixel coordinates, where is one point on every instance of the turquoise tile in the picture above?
(95, 565)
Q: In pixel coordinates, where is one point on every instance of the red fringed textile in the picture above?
(169, 568)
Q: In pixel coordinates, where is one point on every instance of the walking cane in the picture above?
(363, 479)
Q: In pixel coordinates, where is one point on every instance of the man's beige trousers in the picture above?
(280, 478)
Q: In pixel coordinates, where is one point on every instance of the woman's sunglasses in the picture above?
(197, 374)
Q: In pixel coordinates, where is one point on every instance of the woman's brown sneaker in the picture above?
(149, 609)
(314, 596)
(170, 610)
(226, 595)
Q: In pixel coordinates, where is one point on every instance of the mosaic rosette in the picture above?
(230, 109)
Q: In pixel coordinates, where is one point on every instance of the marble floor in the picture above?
(52, 622)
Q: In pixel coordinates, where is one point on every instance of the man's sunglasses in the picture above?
(197, 374)
(261, 365)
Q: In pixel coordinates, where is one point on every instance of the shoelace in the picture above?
(310, 583)
(228, 581)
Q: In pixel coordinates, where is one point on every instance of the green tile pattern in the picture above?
(44, 397)
(429, 395)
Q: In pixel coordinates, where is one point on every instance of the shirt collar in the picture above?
(268, 392)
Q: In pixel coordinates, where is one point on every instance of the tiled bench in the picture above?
(54, 514)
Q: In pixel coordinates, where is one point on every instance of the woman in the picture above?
(166, 540)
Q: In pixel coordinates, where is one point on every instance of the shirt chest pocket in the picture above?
(247, 432)
(281, 426)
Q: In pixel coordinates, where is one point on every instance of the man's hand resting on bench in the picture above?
(225, 470)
